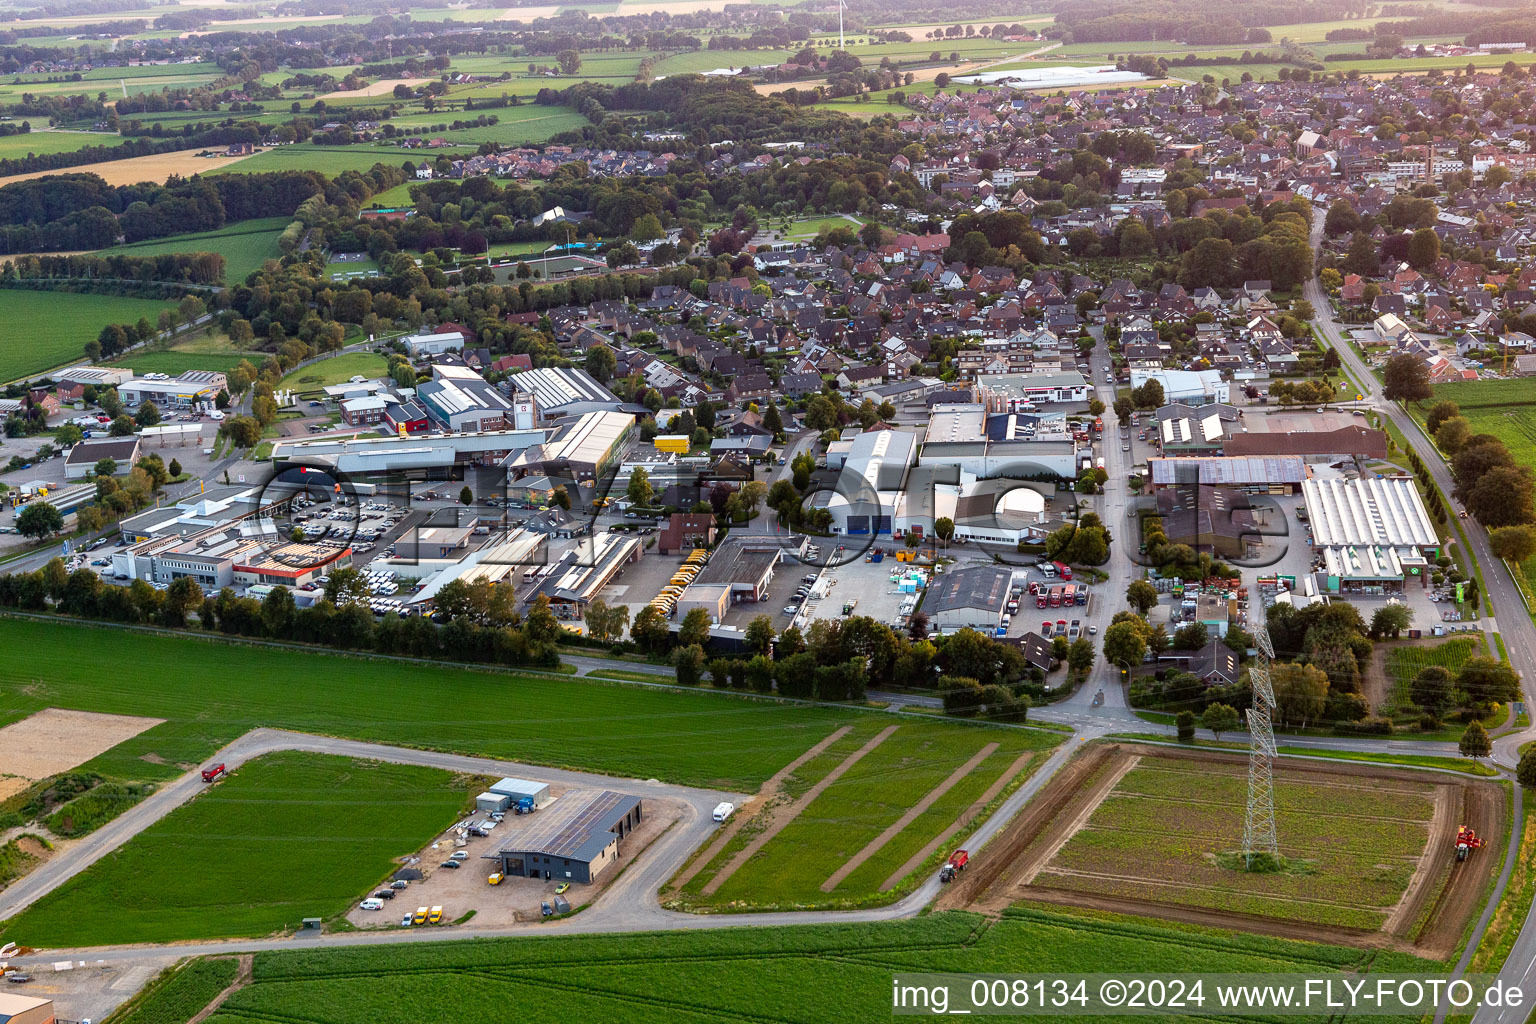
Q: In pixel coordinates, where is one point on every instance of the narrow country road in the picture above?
(1501, 596)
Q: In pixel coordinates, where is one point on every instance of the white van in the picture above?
(723, 810)
(372, 903)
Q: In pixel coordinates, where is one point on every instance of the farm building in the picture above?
(1374, 534)
(16, 1009)
(575, 840)
(970, 597)
(516, 789)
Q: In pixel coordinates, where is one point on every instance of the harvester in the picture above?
(1466, 839)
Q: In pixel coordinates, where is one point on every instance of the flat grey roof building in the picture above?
(574, 839)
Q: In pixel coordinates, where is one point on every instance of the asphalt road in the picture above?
(629, 905)
(1500, 596)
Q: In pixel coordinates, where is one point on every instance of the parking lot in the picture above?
(514, 900)
(865, 585)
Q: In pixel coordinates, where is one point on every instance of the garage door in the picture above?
(885, 525)
(858, 524)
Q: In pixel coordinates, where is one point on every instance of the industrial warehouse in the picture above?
(575, 839)
(1374, 535)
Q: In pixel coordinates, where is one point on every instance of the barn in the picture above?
(575, 840)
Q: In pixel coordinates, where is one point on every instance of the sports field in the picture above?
(48, 329)
(285, 837)
(821, 974)
(245, 245)
(628, 731)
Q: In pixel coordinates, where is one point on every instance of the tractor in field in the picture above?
(1466, 839)
(956, 863)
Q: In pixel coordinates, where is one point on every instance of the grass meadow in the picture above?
(720, 740)
(288, 836)
(48, 329)
(1404, 663)
(245, 245)
(335, 370)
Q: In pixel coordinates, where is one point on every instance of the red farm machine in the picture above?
(1466, 839)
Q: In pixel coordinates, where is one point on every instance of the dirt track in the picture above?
(745, 812)
(781, 816)
(1429, 920)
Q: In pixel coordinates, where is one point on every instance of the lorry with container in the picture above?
(1062, 569)
(214, 773)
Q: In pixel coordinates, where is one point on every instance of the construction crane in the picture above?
(1259, 824)
(1467, 839)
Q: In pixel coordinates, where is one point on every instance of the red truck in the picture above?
(214, 773)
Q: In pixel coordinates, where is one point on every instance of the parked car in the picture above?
(384, 894)
(398, 884)
(18, 979)
(562, 887)
(372, 903)
(459, 855)
(450, 864)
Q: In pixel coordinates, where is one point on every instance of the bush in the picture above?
(1429, 722)
(93, 810)
(1186, 725)
(1371, 725)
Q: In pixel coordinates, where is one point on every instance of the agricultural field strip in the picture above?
(1173, 883)
(1117, 804)
(911, 815)
(1237, 783)
(770, 789)
(934, 844)
(1101, 784)
(761, 840)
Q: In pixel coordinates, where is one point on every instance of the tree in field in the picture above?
(1474, 741)
(1502, 497)
(1219, 718)
(1513, 543)
(1441, 412)
(1433, 689)
(689, 663)
(1525, 771)
(1301, 692)
(570, 62)
(1390, 620)
(1141, 595)
(39, 519)
(1487, 681)
(1406, 379)
(1186, 726)
(1452, 434)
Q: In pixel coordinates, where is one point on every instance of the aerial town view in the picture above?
(767, 511)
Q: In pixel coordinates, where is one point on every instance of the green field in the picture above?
(326, 159)
(41, 143)
(628, 731)
(200, 351)
(820, 974)
(335, 370)
(1404, 663)
(398, 196)
(1160, 834)
(790, 870)
(245, 245)
(176, 995)
(519, 131)
(48, 329)
(220, 866)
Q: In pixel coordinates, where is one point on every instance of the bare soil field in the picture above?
(53, 740)
(918, 75)
(383, 87)
(135, 169)
(1080, 842)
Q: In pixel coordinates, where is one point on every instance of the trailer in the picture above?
(956, 863)
(215, 772)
